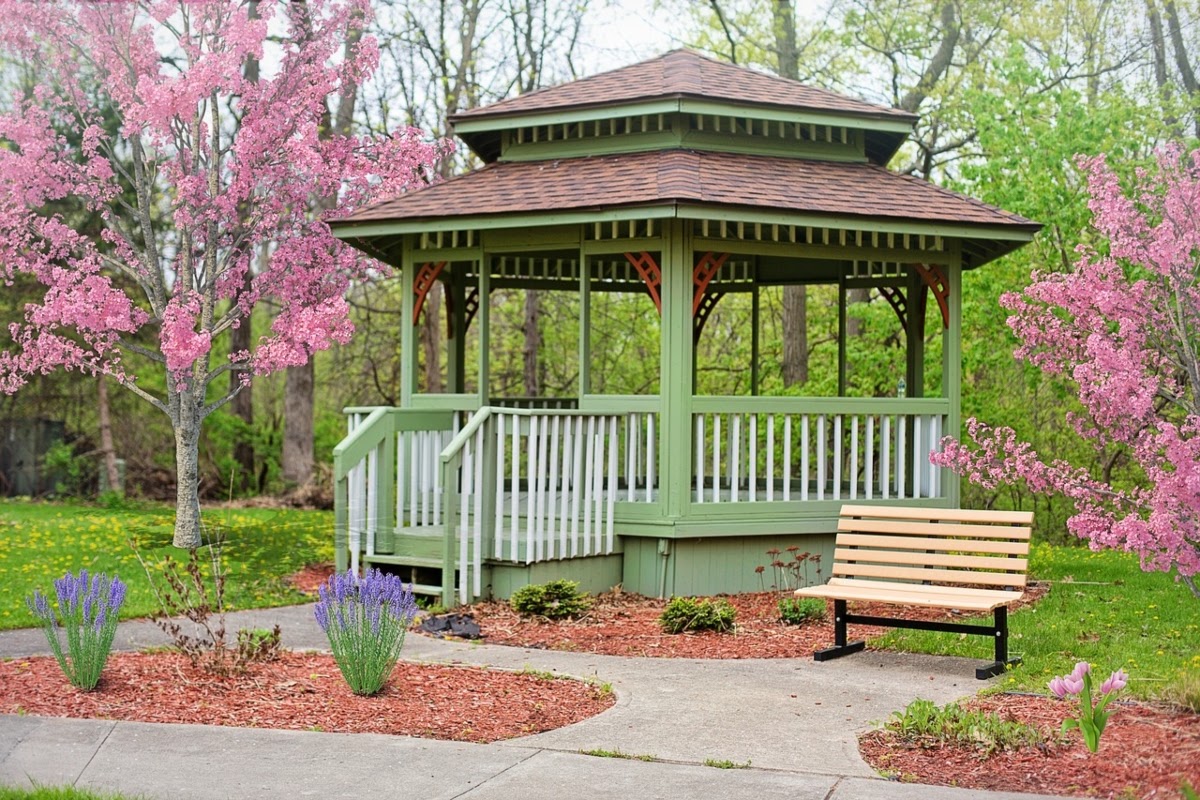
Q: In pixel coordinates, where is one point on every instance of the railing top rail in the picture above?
(481, 416)
(821, 405)
(358, 443)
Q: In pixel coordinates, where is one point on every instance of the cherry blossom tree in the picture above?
(1124, 327)
(206, 163)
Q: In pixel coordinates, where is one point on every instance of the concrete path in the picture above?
(793, 720)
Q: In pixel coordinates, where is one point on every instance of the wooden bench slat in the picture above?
(914, 543)
(957, 561)
(896, 595)
(932, 529)
(959, 514)
(917, 574)
(867, 584)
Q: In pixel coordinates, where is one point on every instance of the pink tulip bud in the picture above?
(1072, 684)
(1115, 682)
(1058, 687)
(1081, 668)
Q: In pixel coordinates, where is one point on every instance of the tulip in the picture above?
(1115, 682)
(1072, 684)
(1058, 688)
(1081, 668)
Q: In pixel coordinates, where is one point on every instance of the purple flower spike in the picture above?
(1115, 683)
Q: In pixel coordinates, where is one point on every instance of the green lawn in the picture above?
(57, 793)
(39, 542)
(1102, 609)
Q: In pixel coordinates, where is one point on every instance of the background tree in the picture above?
(1123, 327)
(229, 162)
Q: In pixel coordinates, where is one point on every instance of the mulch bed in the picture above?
(623, 624)
(302, 691)
(1145, 752)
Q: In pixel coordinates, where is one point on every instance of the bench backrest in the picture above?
(944, 546)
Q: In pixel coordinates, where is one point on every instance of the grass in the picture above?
(1102, 609)
(725, 763)
(602, 753)
(39, 542)
(57, 793)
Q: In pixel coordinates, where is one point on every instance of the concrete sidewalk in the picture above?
(794, 721)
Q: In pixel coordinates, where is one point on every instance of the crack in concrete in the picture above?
(112, 727)
(491, 778)
(834, 788)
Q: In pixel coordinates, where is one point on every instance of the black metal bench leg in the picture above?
(1002, 661)
(840, 647)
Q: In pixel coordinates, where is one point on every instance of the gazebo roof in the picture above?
(682, 76)
(665, 181)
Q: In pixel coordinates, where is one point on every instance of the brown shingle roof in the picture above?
(665, 177)
(682, 73)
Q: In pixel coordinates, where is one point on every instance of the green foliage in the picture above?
(924, 723)
(799, 610)
(698, 614)
(69, 472)
(725, 763)
(559, 599)
(59, 793)
(1101, 608)
(41, 541)
(1183, 690)
(256, 645)
(600, 752)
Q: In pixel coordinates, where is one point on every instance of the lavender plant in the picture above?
(87, 613)
(365, 619)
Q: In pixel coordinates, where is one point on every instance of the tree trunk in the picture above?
(854, 324)
(431, 339)
(533, 343)
(107, 452)
(187, 472)
(298, 425)
(795, 335)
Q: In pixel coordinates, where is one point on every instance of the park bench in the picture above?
(964, 560)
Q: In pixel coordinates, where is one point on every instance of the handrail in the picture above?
(820, 405)
(359, 443)
(481, 416)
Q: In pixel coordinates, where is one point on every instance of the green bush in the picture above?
(696, 614)
(799, 610)
(553, 600)
(923, 722)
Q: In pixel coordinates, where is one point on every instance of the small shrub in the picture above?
(923, 722)
(255, 645)
(553, 600)
(87, 613)
(365, 619)
(799, 610)
(696, 614)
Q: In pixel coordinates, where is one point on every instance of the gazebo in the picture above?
(684, 179)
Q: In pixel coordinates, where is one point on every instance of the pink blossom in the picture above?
(1115, 683)
(1058, 687)
(1081, 668)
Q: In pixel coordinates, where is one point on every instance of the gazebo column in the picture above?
(914, 345)
(952, 368)
(675, 368)
(408, 331)
(456, 296)
(843, 327)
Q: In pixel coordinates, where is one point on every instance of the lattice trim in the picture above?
(708, 301)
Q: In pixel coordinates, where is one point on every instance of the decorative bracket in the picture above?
(650, 273)
(706, 269)
(426, 276)
(708, 301)
(935, 279)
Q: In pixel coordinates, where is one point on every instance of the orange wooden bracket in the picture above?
(707, 269)
(650, 273)
(708, 301)
(423, 281)
(935, 279)
(896, 298)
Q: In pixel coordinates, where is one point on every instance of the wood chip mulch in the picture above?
(302, 691)
(624, 624)
(1145, 752)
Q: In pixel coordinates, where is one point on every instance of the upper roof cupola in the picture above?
(683, 99)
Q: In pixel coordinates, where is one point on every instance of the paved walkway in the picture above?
(794, 720)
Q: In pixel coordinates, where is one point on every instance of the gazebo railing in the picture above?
(772, 449)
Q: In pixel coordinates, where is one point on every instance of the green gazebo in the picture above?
(684, 179)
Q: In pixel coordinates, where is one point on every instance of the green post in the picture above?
(341, 518)
(456, 289)
(450, 522)
(675, 373)
(754, 323)
(484, 320)
(842, 333)
(585, 326)
(914, 348)
(408, 333)
(952, 372)
(385, 485)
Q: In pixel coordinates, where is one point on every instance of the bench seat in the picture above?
(958, 559)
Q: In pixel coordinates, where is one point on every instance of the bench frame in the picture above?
(998, 630)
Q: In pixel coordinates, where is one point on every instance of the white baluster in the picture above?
(414, 491)
(804, 457)
(543, 425)
(770, 457)
(822, 446)
(699, 458)
(630, 456)
(464, 556)
(868, 473)
(589, 485)
(854, 458)
(598, 481)
(531, 472)
(901, 452)
(577, 488)
(435, 448)
(935, 439)
(612, 483)
(837, 457)
(787, 457)
(477, 486)
(552, 499)
(515, 490)
(501, 441)
(735, 458)
(567, 487)
(752, 457)
(885, 458)
(716, 463)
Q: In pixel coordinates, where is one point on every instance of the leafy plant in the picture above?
(365, 619)
(923, 722)
(799, 610)
(698, 614)
(258, 644)
(790, 574)
(87, 612)
(559, 599)
(69, 471)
